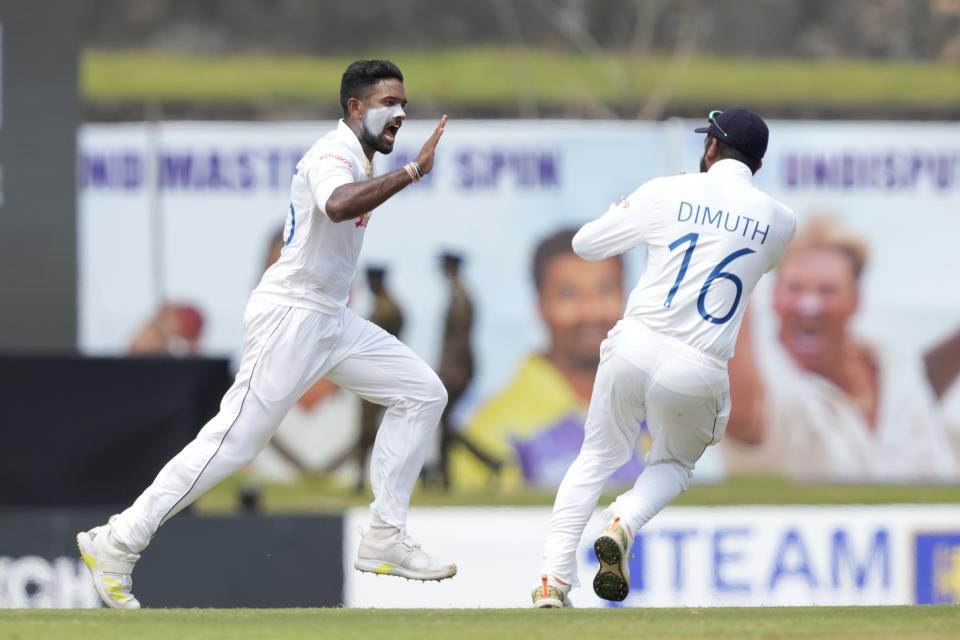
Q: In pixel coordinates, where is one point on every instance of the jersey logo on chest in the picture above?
(363, 220)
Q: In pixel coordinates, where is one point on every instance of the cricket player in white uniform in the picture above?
(298, 329)
(710, 237)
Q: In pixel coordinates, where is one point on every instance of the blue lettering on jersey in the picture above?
(293, 226)
(704, 216)
(717, 274)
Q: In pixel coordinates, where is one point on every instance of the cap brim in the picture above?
(705, 129)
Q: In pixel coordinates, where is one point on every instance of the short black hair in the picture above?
(553, 246)
(362, 74)
(725, 151)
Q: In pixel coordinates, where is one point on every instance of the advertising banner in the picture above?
(184, 216)
(268, 562)
(691, 557)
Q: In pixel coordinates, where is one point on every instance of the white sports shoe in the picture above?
(550, 595)
(111, 565)
(400, 555)
(612, 581)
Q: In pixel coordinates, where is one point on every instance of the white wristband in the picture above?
(411, 169)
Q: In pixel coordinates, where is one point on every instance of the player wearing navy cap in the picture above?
(739, 129)
(709, 238)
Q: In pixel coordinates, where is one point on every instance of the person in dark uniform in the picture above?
(456, 368)
(387, 315)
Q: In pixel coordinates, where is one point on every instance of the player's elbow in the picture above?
(583, 248)
(335, 210)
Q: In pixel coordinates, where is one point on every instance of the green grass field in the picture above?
(321, 494)
(525, 77)
(914, 623)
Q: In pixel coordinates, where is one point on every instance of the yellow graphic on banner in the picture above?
(946, 572)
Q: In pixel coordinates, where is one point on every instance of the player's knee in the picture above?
(245, 458)
(606, 457)
(239, 448)
(617, 459)
(234, 454)
(428, 393)
(435, 392)
(611, 450)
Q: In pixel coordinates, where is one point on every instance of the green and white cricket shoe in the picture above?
(111, 565)
(399, 555)
(612, 581)
(550, 595)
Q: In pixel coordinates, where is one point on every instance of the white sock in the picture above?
(656, 487)
(114, 541)
(380, 530)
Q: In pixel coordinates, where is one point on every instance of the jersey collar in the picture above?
(732, 168)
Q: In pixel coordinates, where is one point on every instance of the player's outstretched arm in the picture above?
(620, 229)
(609, 235)
(352, 200)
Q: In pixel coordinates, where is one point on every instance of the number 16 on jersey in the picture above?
(717, 273)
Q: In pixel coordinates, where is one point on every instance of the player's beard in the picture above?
(375, 122)
(703, 163)
(374, 142)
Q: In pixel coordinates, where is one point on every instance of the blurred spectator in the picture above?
(823, 404)
(535, 425)
(174, 330)
(387, 315)
(456, 368)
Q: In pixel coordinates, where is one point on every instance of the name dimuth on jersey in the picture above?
(723, 220)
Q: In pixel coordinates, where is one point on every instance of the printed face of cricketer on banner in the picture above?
(197, 216)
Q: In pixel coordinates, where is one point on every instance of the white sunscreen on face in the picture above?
(375, 120)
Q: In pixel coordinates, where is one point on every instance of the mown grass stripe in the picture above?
(489, 76)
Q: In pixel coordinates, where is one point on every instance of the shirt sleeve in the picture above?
(325, 174)
(621, 228)
(785, 242)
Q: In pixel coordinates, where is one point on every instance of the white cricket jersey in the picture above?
(710, 237)
(319, 256)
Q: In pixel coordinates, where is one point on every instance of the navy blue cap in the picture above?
(376, 271)
(740, 128)
(451, 257)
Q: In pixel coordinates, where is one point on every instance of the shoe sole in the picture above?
(387, 569)
(610, 583)
(85, 545)
(548, 603)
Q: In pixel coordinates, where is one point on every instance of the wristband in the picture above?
(412, 169)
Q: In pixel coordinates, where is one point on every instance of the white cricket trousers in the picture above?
(684, 395)
(286, 350)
